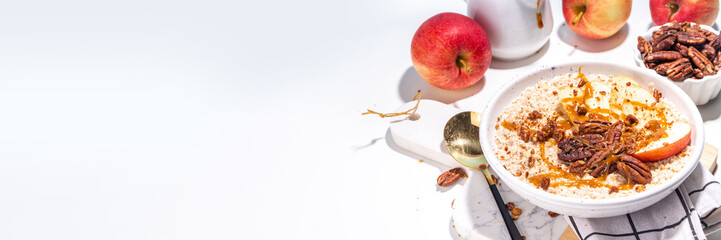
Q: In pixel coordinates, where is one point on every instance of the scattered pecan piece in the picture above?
(552, 214)
(657, 94)
(613, 189)
(530, 162)
(631, 120)
(510, 206)
(534, 115)
(538, 136)
(549, 130)
(630, 145)
(545, 182)
(516, 211)
(581, 110)
(524, 133)
(449, 177)
(582, 82)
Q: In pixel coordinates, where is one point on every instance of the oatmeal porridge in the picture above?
(592, 136)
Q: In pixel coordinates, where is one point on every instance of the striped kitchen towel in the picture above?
(682, 215)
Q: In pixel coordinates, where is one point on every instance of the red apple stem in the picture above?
(581, 11)
(674, 9)
(460, 62)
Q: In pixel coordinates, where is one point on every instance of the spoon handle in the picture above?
(515, 235)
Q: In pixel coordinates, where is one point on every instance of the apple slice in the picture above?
(570, 96)
(679, 136)
(637, 101)
(601, 96)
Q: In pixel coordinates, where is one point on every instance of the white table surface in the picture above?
(232, 120)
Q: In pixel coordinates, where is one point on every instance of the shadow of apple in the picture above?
(411, 82)
(592, 45)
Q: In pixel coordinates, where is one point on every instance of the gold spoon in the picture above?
(463, 143)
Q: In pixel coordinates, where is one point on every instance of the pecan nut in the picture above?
(577, 167)
(683, 50)
(644, 46)
(597, 158)
(573, 149)
(662, 68)
(633, 169)
(629, 145)
(697, 73)
(613, 136)
(631, 120)
(709, 51)
(594, 126)
(545, 182)
(600, 170)
(680, 69)
(524, 133)
(691, 38)
(662, 56)
(665, 42)
(699, 59)
(449, 177)
(534, 115)
(716, 43)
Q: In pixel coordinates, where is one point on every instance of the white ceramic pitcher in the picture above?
(515, 28)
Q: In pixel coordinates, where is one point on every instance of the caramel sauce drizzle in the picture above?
(561, 177)
(509, 125)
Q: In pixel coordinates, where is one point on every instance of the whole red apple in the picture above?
(596, 19)
(698, 11)
(451, 51)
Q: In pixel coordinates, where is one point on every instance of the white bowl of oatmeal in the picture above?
(593, 162)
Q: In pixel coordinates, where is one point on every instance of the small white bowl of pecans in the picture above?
(685, 53)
